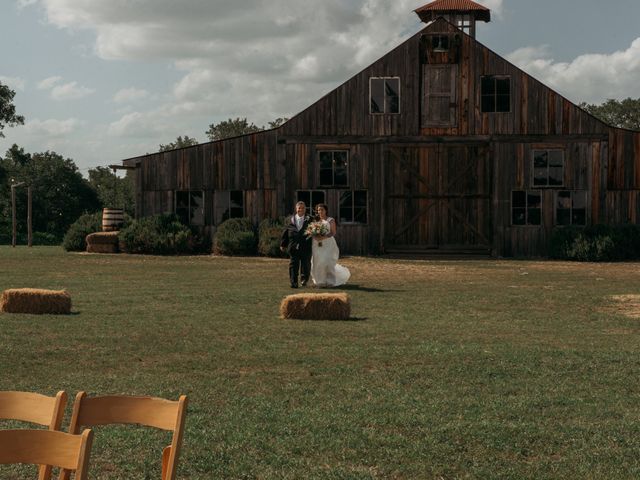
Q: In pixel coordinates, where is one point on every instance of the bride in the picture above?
(325, 270)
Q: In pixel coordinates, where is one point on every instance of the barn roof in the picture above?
(430, 10)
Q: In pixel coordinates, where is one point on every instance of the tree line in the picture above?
(61, 193)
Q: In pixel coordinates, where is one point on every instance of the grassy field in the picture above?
(449, 369)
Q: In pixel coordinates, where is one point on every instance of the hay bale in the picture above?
(102, 242)
(102, 248)
(34, 300)
(316, 306)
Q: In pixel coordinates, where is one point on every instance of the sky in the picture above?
(99, 81)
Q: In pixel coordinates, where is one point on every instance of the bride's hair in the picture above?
(323, 205)
(326, 210)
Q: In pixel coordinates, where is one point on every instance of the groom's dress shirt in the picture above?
(299, 222)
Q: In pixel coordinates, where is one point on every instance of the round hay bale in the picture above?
(35, 301)
(316, 306)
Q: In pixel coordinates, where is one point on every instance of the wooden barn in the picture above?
(441, 145)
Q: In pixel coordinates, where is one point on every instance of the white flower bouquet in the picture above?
(317, 229)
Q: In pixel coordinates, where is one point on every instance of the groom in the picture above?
(297, 245)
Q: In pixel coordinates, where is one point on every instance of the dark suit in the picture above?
(298, 247)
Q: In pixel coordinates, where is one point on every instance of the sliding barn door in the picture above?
(438, 197)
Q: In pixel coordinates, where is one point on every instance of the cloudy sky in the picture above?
(99, 81)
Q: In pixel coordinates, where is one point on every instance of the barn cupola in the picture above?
(462, 13)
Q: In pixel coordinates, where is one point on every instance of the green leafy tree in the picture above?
(623, 114)
(278, 122)
(8, 110)
(113, 191)
(60, 193)
(231, 128)
(180, 142)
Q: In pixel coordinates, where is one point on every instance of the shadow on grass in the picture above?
(360, 288)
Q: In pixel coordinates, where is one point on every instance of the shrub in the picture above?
(269, 237)
(598, 243)
(235, 236)
(159, 235)
(74, 239)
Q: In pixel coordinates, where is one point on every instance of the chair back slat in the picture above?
(147, 411)
(46, 447)
(33, 407)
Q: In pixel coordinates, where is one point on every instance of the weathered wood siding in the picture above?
(440, 111)
(246, 163)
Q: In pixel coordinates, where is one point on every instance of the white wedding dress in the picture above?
(325, 269)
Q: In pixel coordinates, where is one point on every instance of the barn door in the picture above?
(439, 105)
(438, 197)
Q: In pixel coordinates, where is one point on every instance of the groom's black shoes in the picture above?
(295, 285)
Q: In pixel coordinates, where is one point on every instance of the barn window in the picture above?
(353, 206)
(526, 207)
(384, 95)
(548, 168)
(234, 208)
(464, 24)
(571, 207)
(189, 207)
(440, 43)
(311, 198)
(495, 93)
(333, 168)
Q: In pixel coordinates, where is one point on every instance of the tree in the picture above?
(278, 122)
(231, 128)
(8, 110)
(113, 191)
(60, 193)
(623, 114)
(180, 142)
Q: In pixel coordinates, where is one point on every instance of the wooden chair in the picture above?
(34, 408)
(47, 447)
(147, 411)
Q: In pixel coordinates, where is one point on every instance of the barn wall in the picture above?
(270, 167)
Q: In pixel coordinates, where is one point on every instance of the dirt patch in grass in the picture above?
(627, 305)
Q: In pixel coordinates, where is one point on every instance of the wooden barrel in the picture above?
(112, 219)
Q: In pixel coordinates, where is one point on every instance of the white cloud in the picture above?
(139, 125)
(48, 83)
(26, 3)
(52, 127)
(66, 91)
(70, 91)
(244, 56)
(131, 94)
(15, 83)
(591, 78)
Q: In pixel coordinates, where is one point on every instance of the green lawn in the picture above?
(450, 369)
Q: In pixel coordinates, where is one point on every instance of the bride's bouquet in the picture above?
(317, 229)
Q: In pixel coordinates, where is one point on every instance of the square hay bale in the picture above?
(102, 242)
(316, 306)
(102, 248)
(36, 301)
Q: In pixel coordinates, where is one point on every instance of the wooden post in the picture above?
(29, 218)
(13, 215)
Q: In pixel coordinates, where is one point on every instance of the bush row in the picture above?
(237, 236)
(597, 243)
(166, 235)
